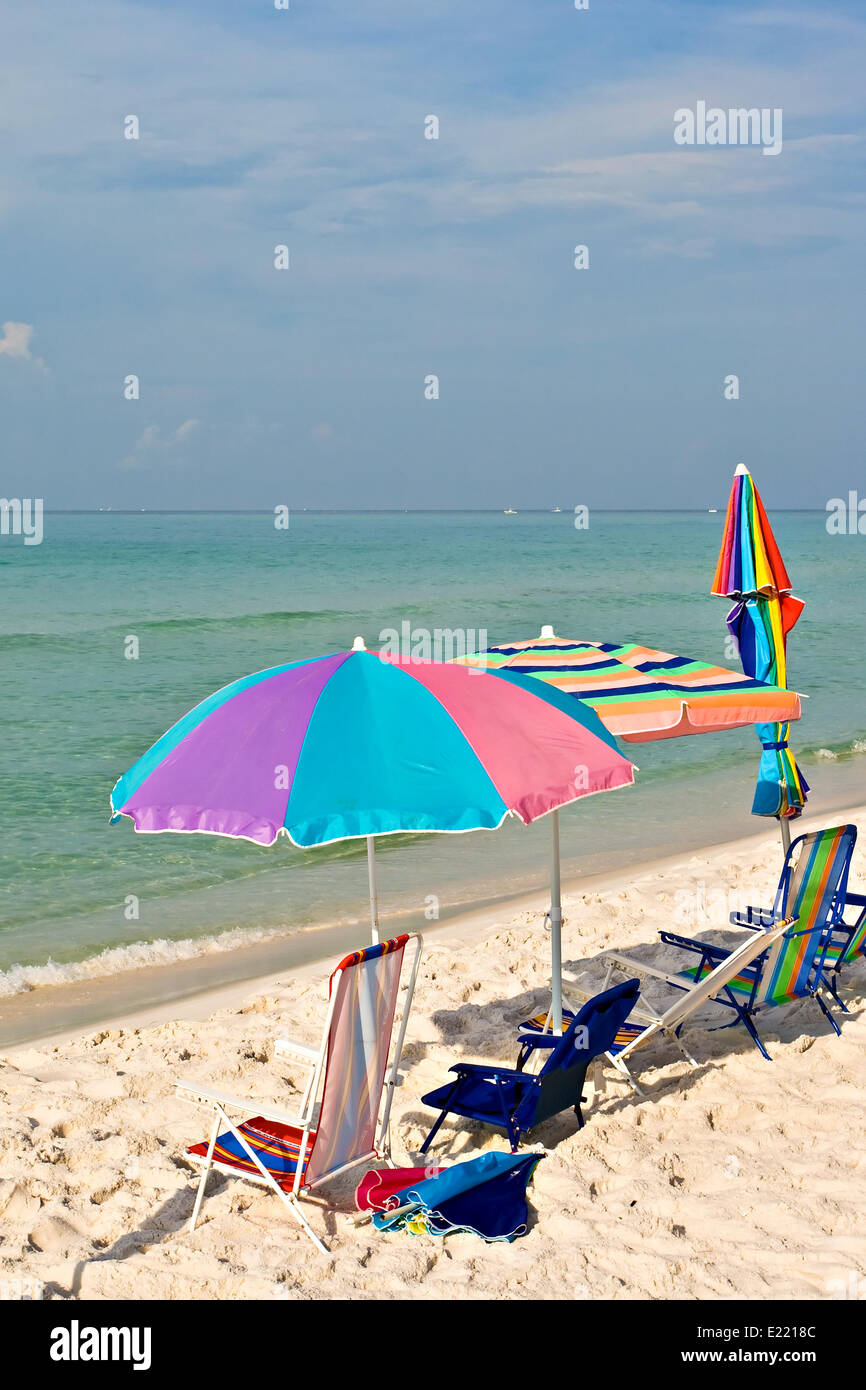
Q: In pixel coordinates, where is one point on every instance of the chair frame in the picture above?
(500, 1077)
(745, 1011)
(688, 999)
(846, 933)
(754, 918)
(316, 1060)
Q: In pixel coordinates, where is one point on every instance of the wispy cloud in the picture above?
(152, 443)
(16, 343)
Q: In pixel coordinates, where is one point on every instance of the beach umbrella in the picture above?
(640, 694)
(751, 571)
(360, 744)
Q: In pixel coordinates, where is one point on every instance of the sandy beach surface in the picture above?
(740, 1178)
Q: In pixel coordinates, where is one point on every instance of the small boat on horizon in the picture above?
(557, 509)
(509, 511)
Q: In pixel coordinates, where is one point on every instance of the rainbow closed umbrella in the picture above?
(640, 694)
(751, 571)
(360, 744)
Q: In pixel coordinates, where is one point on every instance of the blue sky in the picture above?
(411, 257)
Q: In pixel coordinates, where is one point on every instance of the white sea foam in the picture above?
(842, 751)
(19, 979)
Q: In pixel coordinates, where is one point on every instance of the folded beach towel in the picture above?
(377, 1187)
(486, 1196)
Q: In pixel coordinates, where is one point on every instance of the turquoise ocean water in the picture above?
(213, 596)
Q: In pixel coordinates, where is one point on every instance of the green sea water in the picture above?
(210, 597)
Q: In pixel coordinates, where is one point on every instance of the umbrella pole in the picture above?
(374, 897)
(786, 834)
(555, 916)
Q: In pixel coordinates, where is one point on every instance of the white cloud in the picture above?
(16, 343)
(151, 442)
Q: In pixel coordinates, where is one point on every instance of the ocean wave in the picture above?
(224, 622)
(836, 751)
(21, 979)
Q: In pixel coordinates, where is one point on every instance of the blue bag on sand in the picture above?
(486, 1196)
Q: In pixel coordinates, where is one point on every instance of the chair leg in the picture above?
(434, 1131)
(620, 1066)
(829, 1017)
(438, 1125)
(755, 1036)
(199, 1196)
(830, 982)
(294, 1207)
(675, 1037)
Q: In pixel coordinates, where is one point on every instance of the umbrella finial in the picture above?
(742, 471)
(547, 631)
(359, 645)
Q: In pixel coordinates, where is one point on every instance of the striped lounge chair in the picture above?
(846, 942)
(349, 1125)
(645, 1022)
(811, 895)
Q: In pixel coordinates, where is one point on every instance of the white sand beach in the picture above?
(738, 1179)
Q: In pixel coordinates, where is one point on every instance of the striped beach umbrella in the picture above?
(751, 571)
(640, 694)
(361, 744)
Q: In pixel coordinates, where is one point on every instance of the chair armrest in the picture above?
(285, 1047)
(203, 1095)
(690, 943)
(638, 968)
(753, 917)
(533, 1039)
(856, 899)
(494, 1073)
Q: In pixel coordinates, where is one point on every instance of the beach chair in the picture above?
(645, 1022)
(846, 943)
(517, 1101)
(814, 881)
(811, 893)
(293, 1154)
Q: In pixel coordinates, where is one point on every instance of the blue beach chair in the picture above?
(517, 1101)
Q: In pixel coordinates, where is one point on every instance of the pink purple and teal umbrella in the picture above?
(361, 744)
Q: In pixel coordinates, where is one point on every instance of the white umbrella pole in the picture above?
(555, 915)
(374, 898)
(786, 834)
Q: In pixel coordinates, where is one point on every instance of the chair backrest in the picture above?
(591, 1032)
(813, 891)
(815, 876)
(363, 990)
(857, 940)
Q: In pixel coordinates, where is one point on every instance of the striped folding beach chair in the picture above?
(802, 885)
(846, 944)
(342, 1121)
(811, 895)
(645, 1022)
